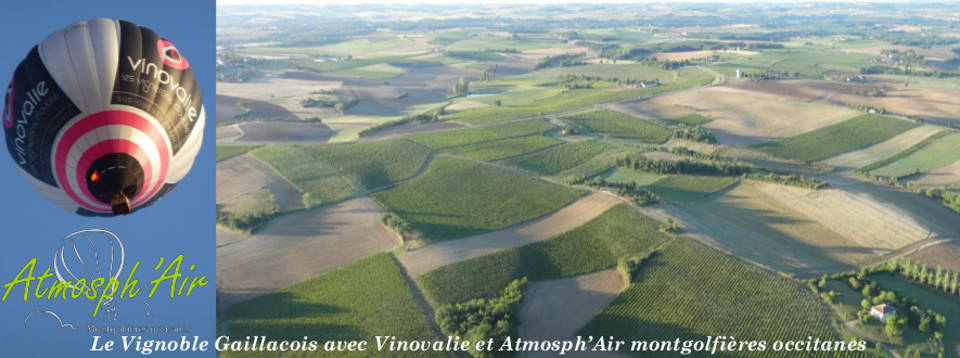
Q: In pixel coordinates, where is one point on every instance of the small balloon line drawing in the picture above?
(49, 312)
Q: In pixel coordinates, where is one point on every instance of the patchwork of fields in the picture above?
(374, 170)
(689, 291)
(457, 198)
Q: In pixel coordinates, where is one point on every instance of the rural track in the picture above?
(907, 250)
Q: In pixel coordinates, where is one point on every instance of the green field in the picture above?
(457, 198)
(354, 302)
(446, 139)
(474, 55)
(616, 124)
(494, 43)
(306, 169)
(334, 172)
(227, 151)
(566, 101)
(935, 300)
(852, 134)
(559, 158)
(374, 164)
(808, 62)
(504, 148)
(939, 150)
(690, 120)
(626, 176)
(519, 97)
(618, 233)
(678, 188)
(622, 70)
(690, 291)
(687, 188)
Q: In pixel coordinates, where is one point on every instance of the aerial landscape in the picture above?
(654, 171)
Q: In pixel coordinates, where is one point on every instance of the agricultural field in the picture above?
(616, 124)
(447, 139)
(619, 233)
(504, 148)
(847, 302)
(742, 117)
(667, 301)
(677, 188)
(935, 152)
(331, 173)
(344, 304)
(373, 169)
(320, 182)
(227, 151)
(852, 134)
(562, 157)
(438, 205)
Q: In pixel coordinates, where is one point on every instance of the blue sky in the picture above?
(182, 222)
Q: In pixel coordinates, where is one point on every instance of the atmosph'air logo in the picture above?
(8, 111)
(171, 56)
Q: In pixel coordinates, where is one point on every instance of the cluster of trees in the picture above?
(397, 224)
(637, 194)
(629, 266)
(244, 223)
(462, 87)
(768, 75)
(431, 116)
(947, 196)
(696, 133)
(489, 73)
(926, 320)
(684, 166)
(337, 103)
(940, 278)
(562, 60)
(882, 69)
(788, 179)
(484, 318)
(867, 109)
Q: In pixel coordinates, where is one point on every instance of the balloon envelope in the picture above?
(103, 117)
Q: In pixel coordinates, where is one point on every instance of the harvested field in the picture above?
(281, 94)
(300, 245)
(579, 298)
(744, 117)
(871, 224)
(244, 109)
(426, 258)
(945, 255)
(464, 105)
(943, 176)
(937, 105)
(284, 131)
(228, 133)
(885, 149)
(225, 237)
(244, 173)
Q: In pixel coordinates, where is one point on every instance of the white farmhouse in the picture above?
(883, 311)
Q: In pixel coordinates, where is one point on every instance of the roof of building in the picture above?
(884, 308)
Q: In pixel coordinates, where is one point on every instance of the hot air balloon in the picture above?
(103, 117)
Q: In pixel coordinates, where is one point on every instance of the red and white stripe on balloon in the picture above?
(84, 140)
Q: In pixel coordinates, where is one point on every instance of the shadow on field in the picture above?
(280, 305)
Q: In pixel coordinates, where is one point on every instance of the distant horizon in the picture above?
(567, 2)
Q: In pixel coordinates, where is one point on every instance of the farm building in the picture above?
(883, 311)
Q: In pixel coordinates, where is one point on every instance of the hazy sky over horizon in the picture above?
(542, 2)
